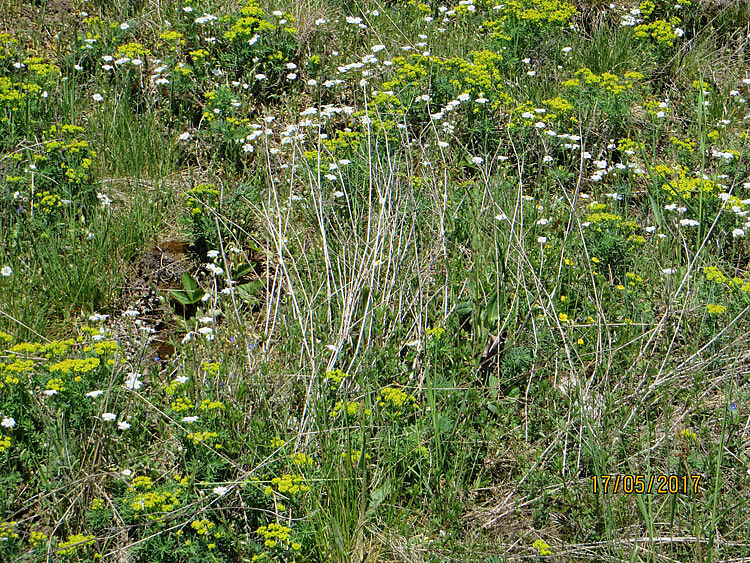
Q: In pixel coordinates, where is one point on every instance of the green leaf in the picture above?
(242, 270)
(250, 292)
(188, 282)
(181, 296)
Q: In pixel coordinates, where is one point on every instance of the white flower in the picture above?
(260, 76)
(542, 222)
(109, 416)
(738, 233)
(651, 229)
(133, 382)
(127, 472)
(567, 49)
(180, 379)
(96, 317)
(124, 26)
(689, 222)
(206, 320)
(189, 419)
(668, 271)
(50, 392)
(212, 253)
(541, 240)
(187, 9)
(97, 97)
(376, 48)
(221, 491)
(94, 394)
(8, 422)
(501, 217)
(130, 313)
(547, 159)
(205, 19)
(122, 425)
(207, 331)
(6, 271)
(477, 160)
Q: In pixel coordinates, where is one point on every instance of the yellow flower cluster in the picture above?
(542, 547)
(275, 534)
(353, 408)
(212, 368)
(8, 530)
(713, 274)
(38, 538)
(302, 460)
(540, 11)
(335, 377)
(290, 484)
(162, 501)
(4, 443)
(679, 185)
(141, 482)
(202, 527)
(102, 347)
(200, 195)
(688, 435)
(74, 543)
(253, 21)
(435, 332)
(396, 400)
(606, 81)
(28, 348)
(198, 437)
(181, 404)
(76, 366)
(714, 309)
(661, 31)
(58, 347)
(354, 456)
(208, 405)
(133, 50)
(55, 384)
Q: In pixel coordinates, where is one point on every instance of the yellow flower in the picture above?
(714, 309)
(542, 547)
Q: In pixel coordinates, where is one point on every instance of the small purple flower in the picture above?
(733, 407)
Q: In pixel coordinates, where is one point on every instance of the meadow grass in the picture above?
(365, 281)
